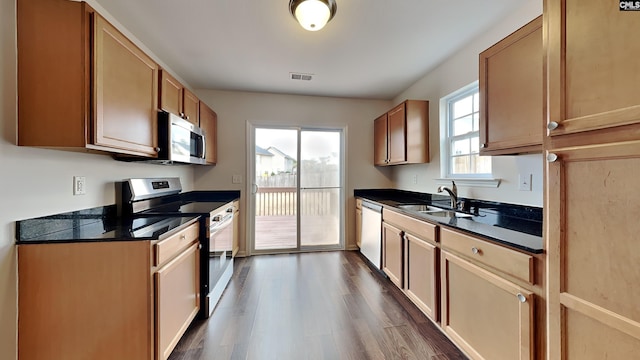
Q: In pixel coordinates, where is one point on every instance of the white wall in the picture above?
(36, 182)
(235, 109)
(459, 70)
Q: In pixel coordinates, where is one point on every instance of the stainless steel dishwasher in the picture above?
(371, 242)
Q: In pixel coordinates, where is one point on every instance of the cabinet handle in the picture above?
(521, 298)
(551, 157)
(483, 145)
(475, 250)
(187, 117)
(183, 236)
(552, 125)
(157, 149)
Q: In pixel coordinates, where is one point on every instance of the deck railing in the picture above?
(283, 201)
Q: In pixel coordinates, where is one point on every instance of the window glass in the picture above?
(462, 143)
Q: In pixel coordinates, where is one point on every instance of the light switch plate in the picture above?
(79, 185)
(236, 179)
(524, 181)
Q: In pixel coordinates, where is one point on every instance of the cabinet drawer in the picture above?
(510, 262)
(171, 246)
(423, 230)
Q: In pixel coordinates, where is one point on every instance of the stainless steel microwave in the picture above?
(179, 140)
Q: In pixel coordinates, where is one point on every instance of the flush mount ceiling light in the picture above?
(313, 15)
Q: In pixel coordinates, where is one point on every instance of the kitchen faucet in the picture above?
(453, 194)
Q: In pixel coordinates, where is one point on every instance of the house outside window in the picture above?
(460, 134)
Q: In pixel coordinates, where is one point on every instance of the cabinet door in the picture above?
(593, 256)
(125, 93)
(170, 94)
(392, 250)
(380, 141)
(397, 135)
(421, 283)
(191, 107)
(84, 300)
(511, 119)
(593, 71)
(487, 316)
(209, 123)
(177, 299)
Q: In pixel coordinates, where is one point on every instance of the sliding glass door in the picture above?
(297, 189)
(320, 188)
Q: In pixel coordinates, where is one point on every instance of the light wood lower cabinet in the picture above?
(87, 300)
(594, 260)
(411, 259)
(421, 282)
(392, 253)
(177, 299)
(105, 300)
(485, 315)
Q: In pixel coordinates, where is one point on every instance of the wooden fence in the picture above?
(283, 201)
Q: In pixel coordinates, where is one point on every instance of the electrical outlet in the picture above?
(415, 179)
(236, 179)
(524, 181)
(79, 185)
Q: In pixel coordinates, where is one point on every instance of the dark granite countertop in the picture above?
(103, 223)
(517, 226)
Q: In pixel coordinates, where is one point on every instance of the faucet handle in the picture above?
(454, 188)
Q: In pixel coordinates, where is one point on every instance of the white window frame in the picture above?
(482, 180)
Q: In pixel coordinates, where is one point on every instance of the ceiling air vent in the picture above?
(300, 76)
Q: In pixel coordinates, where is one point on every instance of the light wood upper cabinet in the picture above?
(82, 85)
(209, 124)
(397, 133)
(511, 93)
(177, 99)
(593, 71)
(170, 94)
(401, 136)
(487, 316)
(191, 106)
(125, 92)
(380, 141)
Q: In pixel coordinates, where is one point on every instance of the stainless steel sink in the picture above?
(447, 213)
(420, 207)
(433, 210)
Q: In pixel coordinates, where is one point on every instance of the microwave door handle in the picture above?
(204, 146)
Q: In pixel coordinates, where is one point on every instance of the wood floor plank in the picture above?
(316, 306)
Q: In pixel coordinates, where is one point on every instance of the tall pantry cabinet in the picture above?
(592, 197)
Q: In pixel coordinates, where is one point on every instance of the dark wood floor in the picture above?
(326, 305)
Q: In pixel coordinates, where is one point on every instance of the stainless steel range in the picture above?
(162, 197)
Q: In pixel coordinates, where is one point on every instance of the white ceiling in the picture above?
(371, 49)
